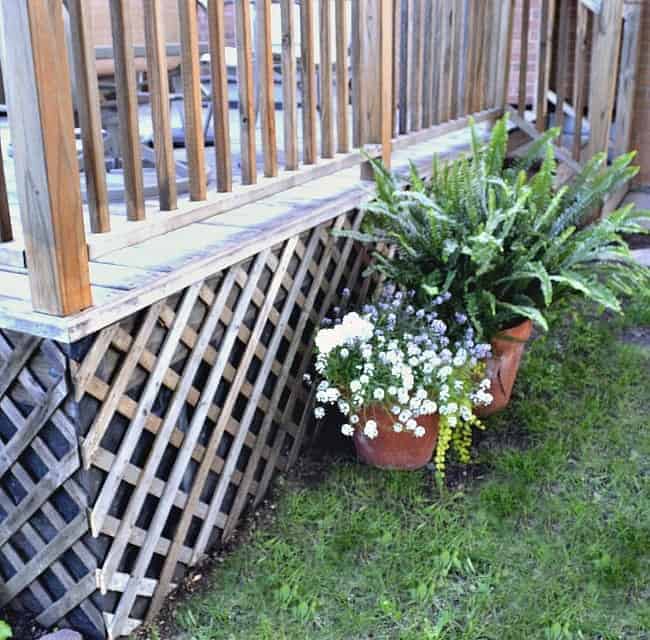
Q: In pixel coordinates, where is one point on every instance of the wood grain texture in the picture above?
(342, 35)
(289, 85)
(562, 77)
(606, 36)
(523, 57)
(89, 114)
(326, 61)
(246, 97)
(267, 97)
(220, 107)
(40, 105)
(193, 109)
(627, 81)
(127, 108)
(308, 78)
(159, 95)
(580, 89)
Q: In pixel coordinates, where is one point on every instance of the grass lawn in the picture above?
(547, 537)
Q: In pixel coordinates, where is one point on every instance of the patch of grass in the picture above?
(553, 542)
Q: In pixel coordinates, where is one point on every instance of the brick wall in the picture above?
(641, 127)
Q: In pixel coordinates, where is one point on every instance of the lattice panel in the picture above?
(188, 408)
(47, 566)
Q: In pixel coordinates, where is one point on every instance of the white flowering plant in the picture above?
(401, 358)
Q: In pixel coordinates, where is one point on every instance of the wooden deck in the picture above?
(131, 278)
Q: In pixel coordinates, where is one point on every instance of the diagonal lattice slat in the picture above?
(168, 425)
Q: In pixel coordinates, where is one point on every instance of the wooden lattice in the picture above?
(168, 424)
(47, 563)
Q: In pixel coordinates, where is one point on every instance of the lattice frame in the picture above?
(178, 417)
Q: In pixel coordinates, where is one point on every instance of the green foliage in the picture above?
(5, 631)
(547, 538)
(501, 238)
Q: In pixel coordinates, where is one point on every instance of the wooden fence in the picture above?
(586, 74)
(365, 74)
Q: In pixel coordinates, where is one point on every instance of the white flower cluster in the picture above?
(353, 328)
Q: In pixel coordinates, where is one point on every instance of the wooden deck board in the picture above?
(132, 278)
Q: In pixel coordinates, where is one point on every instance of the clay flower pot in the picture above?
(391, 450)
(502, 367)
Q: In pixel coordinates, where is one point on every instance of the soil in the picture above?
(22, 626)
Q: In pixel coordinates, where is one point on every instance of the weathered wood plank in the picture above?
(40, 109)
(246, 98)
(191, 73)
(342, 35)
(267, 98)
(627, 80)
(289, 99)
(326, 106)
(159, 96)
(127, 108)
(416, 68)
(523, 57)
(220, 107)
(308, 76)
(562, 47)
(89, 114)
(580, 79)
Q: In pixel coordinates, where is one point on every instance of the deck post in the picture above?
(375, 34)
(47, 171)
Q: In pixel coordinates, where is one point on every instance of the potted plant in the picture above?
(504, 241)
(402, 387)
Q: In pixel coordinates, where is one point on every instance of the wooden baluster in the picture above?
(127, 108)
(308, 74)
(445, 78)
(219, 77)
(458, 58)
(289, 107)
(192, 101)
(342, 77)
(438, 55)
(376, 56)
(246, 99)
(326, 112)
(492, 36)
(580, 78)
(523, 58)
(267, 97)
(6, 231)
(504, 61)
(159, 94)
(428, 65)
(405, 62)
(397, 62)
(359, 77)
(83, 53)
(628, 79)
(543, 64)
(605, 49)
(37, 80)
(417, 64)
(562, 68)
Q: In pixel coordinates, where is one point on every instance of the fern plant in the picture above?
(501, 238)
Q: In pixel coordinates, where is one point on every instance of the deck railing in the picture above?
(339, 77)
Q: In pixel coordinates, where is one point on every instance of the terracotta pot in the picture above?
(502, 367)
(391, 450)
